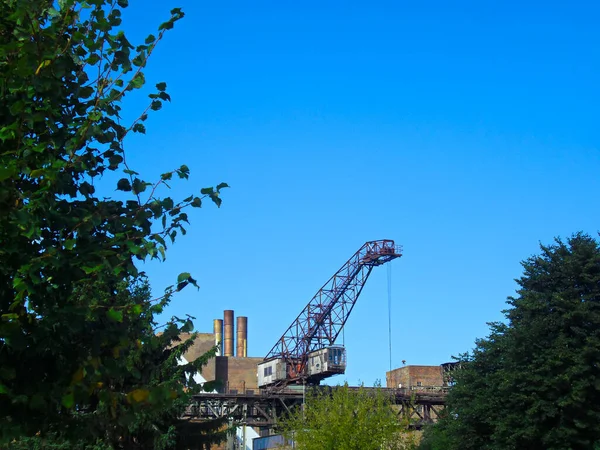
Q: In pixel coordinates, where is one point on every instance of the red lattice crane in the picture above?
(306, 351)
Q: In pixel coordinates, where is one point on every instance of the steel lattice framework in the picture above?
(265, 409)
(322, 320)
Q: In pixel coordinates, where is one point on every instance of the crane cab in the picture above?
(327, 361)
(270, 372)
(320, 364)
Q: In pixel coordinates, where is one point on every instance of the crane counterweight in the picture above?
(307, 352)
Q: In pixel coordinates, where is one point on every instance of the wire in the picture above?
(389, 286)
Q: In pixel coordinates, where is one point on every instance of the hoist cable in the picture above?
(389, 286)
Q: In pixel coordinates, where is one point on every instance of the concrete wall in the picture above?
(411, 376)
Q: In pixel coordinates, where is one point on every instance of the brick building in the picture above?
(414, 376)
(236, 373)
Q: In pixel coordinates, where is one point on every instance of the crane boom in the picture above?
(321, 321)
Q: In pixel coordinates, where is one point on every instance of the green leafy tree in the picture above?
(347, 419)
(534, 383)
(79, 359)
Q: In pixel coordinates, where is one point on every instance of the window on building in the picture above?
(419, 383)
(268, 371)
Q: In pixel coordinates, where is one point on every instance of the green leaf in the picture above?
(183, 171)
(86, 91)
(150, 39)
(88, 269)
(216, 199)
(123, 3)
(221, 186)
(138, 186)
(166, 25)
(124, 185)
(115, 315)
(184, 276)
(139, 128)
(139, 60)
(68, 401)
(197, 202)
(95, 116)
(188, 326)
(138, 395)
(138, 81)
(17, 107)
(6, 172)
(86, 189)
(137, 309)
(114, 161)
(161, 86)
(10, 316)
(93, 59)
(43, 64)
(207, 191)
(69, 243)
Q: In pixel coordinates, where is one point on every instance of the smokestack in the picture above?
(228, 328)
(218, 330)
(242, 337)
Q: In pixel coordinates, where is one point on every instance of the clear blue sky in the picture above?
(467, 132)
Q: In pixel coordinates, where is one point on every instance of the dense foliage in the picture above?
(79, 359)
(347, 419)
(534, 383)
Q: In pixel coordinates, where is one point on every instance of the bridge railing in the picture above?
(242, 390)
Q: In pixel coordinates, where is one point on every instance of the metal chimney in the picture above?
(242, 337)
(218, 330)
(228, 328)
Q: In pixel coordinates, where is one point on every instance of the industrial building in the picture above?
(235, 373)
(410, 377)
(258, 391)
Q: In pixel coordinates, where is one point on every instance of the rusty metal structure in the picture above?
(242, 337)
(228, 329)
(264, 409)
(321, 321)
(448, 370)
(218, 331)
